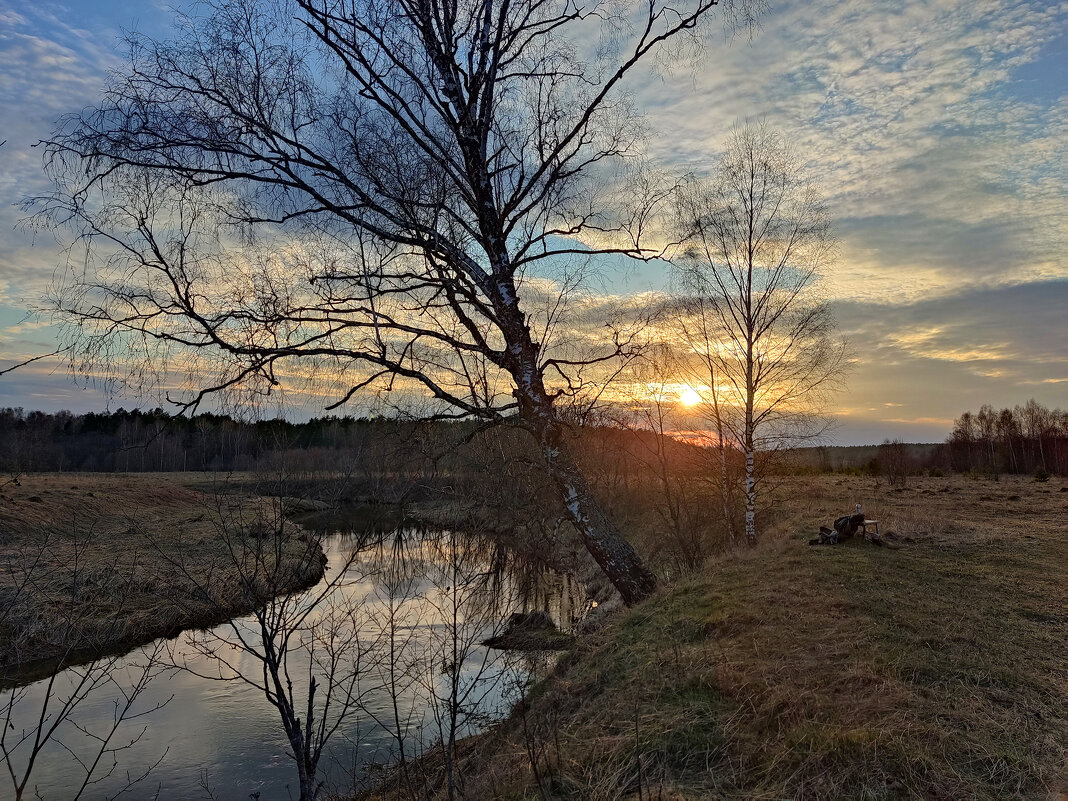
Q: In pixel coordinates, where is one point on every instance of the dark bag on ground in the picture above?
(844, 528)
(847, 526)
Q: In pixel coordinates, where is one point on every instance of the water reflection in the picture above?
(388, 647)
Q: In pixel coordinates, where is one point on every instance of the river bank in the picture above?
(929, 670)
(405, 614)
(95, 564)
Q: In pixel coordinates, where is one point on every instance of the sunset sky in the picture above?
(937, 130)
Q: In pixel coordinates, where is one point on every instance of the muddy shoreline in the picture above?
(93, 566)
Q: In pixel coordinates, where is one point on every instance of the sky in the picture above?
(936, 130)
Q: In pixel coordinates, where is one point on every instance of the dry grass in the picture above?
(934, 670)
(96, 563)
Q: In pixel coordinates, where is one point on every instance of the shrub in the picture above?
(895, 461)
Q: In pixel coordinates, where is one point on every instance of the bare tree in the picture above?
(434, 158)
(757, 238)
(687, 322)
(470, 595)
(303, 651)
(679, 473)
(895, 462)
(398, 623)
(58, 715)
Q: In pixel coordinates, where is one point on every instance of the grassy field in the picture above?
(96, 563)
(932, 669)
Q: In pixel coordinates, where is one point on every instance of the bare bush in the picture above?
(895, 462)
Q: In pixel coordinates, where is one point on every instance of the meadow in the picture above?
(94, 564)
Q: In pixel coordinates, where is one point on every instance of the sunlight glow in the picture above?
(689, 397)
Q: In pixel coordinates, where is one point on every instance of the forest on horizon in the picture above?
(1027, 438)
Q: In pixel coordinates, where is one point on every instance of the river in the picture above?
(397, 622)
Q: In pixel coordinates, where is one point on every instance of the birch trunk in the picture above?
(750, 495)
(606, 545)
(750, 462)
(615, 556)
(750, 402)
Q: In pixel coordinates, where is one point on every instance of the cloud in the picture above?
(934, 169)
(936, 358)
(52, 63)
(47, 68)
(1025, 322)
(935, 127)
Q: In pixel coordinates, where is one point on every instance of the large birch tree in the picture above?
(372, 187)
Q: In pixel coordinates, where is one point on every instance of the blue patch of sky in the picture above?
(112, 15)
(1043, 79)
(608, 273)
(11, 315)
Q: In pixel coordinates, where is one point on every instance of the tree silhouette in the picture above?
(757, 237)
(380, 188)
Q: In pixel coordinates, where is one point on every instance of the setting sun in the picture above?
(689, 397)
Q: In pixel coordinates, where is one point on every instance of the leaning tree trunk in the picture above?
(615, 556)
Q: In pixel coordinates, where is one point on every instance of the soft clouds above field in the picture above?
(936, 127)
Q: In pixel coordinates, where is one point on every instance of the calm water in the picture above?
(408, 613)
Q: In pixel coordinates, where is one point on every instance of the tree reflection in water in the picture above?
(379, 664)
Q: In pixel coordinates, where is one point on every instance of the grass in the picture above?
(98, 563)
(931, 670)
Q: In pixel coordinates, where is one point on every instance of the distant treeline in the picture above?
(1027, 438)
(1024, 439)
(154, 441)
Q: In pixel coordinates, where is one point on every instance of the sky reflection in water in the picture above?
(224, 734)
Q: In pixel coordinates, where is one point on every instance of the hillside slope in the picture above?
(931, 670)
